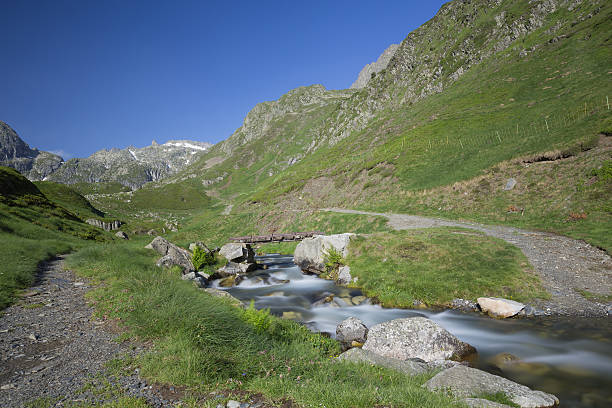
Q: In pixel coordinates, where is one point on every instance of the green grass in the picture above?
(33, 229)
(204, 343)
(68, 198)
(594, 296)
(437, 265)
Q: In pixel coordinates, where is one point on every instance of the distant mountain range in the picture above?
(131, 167)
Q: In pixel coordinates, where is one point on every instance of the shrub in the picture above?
(260, 319)
(201, 257)
(333, 260)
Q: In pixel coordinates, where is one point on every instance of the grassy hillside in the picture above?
(68, 198)
(33, 229)
(515, 106)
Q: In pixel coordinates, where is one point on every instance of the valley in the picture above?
(472, 160)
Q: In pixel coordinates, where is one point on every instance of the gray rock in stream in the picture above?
(415, 337)
(310, 253)
(464, 381)
(351, 329)
(409, 367)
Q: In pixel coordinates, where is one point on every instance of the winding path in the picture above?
(564, 265)
(53, 351)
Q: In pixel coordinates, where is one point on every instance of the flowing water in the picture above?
(571, 358)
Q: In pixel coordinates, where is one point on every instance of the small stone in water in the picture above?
(358, 299)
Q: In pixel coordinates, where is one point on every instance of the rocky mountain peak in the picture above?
(375, 67)
(11, 145)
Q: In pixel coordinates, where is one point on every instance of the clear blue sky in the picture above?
(81, 75)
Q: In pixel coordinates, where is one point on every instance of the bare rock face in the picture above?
(32, 163)
(106, 226)
(415, 337)
(499, 307)
(310, 252)
(351, 329)
(172, 254)
(375, 67)
(464, 381)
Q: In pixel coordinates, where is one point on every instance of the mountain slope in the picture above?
(32, 163)
(480, 85)
(34, 228)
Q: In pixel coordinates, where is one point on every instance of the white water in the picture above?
(571, 358)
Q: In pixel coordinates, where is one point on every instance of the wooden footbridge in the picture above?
(260, 239)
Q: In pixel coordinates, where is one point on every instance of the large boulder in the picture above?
(499, 307)
(415, 337)
(409, 367)
(351, 329)
(172, 254)
(310, 252)
(238, 253)
(464, 381)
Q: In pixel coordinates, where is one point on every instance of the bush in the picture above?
(201, 257)
(260, 319)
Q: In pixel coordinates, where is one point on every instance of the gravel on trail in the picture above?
(51, 347)
(564, 265)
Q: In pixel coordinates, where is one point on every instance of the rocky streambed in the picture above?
(568, 357)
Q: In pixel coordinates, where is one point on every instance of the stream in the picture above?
(568, 357)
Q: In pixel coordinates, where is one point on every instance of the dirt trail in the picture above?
(564, 265)
(50, 347)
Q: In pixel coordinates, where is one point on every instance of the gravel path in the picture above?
(564, 265)
(50, 347)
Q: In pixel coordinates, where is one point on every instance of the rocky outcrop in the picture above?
(310, 253)
(464, 381)
(106, 226)
(32, 163)
(172, 254)
(121, 235)
(350, 330)
(499, 307)
(370, 70)
(415, 337)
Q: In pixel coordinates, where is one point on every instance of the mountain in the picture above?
(32, 163)
(131, 167)
(466, 101)
(370, 70)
